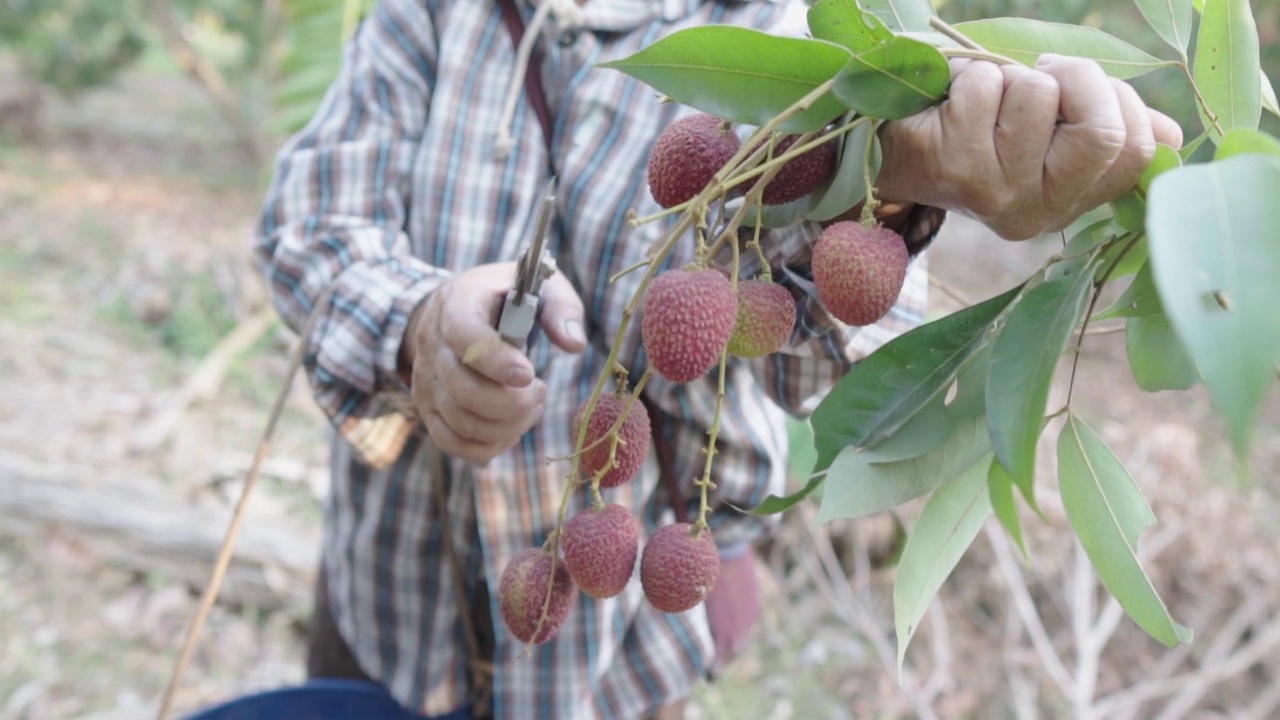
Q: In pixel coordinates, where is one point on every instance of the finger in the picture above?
(1091, 135)
(1139, 148)
(468, 425)
(1025, 126)
(482, 396)
(971, 109)
(451, 443)
(562, 314)
(1166, 130)
(468, 328)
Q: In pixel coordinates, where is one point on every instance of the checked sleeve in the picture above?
(334, 216)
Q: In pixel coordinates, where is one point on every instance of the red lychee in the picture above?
(600, 548)
(678, 567)
(800, 175)
(766, 317)
(633, 439)
(687, 155)
(522, 591)
(688, 319)
(859, 271)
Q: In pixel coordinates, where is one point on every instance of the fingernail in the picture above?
(573, 329)
(518, 375)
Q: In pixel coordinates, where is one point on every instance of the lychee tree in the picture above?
(953, 409)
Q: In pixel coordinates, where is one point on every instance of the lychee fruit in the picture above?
(687, 155)
(522, 591)
(766, 317)
(688, 319)
(800, 175)
(679, 567)
(600, 548)
(633, 439)
(859, 271)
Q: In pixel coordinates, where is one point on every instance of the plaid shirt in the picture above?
(393, 187)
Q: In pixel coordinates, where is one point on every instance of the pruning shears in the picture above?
(535, 265)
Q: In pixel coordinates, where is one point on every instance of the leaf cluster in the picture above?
(954, 409)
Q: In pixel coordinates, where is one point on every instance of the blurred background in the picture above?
(138, 359)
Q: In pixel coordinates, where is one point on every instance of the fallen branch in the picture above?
(150, 531)
(203, 383)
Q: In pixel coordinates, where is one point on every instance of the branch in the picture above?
(1264, 643)
(203, 382)
(209, 77)
(1026, 610)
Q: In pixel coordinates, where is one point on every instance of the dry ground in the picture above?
(123, 260)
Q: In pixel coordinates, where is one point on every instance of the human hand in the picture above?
(996, 150)
(479, 408)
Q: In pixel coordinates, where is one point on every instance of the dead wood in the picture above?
(149, 531)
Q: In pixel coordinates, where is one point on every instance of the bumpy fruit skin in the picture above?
(678, 570)
(859, 271)
(766, 318)
(633, 439)
(688, 319)
(801, 175)
(687, 155)
(522, 591)
(600, 548)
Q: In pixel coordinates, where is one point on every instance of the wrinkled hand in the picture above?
(995, 149)
(477, 409)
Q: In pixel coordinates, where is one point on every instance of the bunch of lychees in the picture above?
(692, 318)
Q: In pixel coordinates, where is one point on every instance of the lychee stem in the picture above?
(808, 142)
(705, 484)
(628, 270)
(871, 203)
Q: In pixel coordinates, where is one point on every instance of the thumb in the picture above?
(562, 313)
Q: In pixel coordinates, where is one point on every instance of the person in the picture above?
(396, 217)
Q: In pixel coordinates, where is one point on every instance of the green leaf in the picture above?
(1269, 102)
(1165, 159)
(1025, 40)
(923, 433)
(1128, 264)
(1189, 149)
(900, 15)
(885, 389)
(1171, 19)
(843, 22)
(740, 74)
(848, 185)
(1077, 249)
(1023, 359)
(947, 526)
(894, 80)
(856, 488)
(801, 457)
(1215, 239)
(1140, 299)
(971, 385)
(1242, 141)
(1000, 489)
(1129, 210)
(1156, 355)
(1226, 65)
(774, 504)
(1107, 511)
